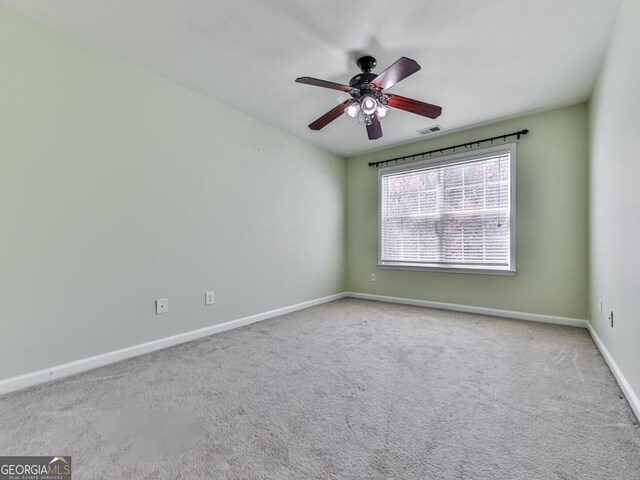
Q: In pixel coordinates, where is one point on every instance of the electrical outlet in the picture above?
(373, 277)
(209, 298)
(162, 305)
(611, 317)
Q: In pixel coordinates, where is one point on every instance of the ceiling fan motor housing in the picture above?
(363, 80)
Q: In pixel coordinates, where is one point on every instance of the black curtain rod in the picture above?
(518, 134)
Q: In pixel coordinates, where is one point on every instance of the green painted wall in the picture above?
(118, 187)
(615, 199)
(551, 188)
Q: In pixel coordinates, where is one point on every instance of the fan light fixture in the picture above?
(368, 105)
(352, 110)
(382, 110)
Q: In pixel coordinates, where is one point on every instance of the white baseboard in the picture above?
(60, 371)
(532, 317)
(631, 396)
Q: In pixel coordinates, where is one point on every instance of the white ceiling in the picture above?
(481, 60)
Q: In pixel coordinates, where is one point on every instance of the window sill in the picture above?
(449, 269)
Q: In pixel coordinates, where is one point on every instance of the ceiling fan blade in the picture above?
(324, 83)
(330, 116)
(414, 106)
(375, 129)
(401, 69)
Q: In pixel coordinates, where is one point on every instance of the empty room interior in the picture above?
(320, 240)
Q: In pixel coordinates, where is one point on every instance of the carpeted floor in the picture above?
(347, 390)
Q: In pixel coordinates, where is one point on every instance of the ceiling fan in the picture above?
(370, 102)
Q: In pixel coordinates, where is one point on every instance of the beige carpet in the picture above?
(347, 390)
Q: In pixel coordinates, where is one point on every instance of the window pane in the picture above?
(449, 215)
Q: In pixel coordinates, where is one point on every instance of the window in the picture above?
(455, 213)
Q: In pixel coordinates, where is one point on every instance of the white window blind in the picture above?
(455, 213)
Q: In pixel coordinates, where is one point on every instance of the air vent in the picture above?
(430, 130)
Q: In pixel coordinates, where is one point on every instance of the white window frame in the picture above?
(449, 160)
